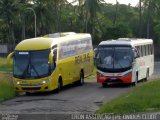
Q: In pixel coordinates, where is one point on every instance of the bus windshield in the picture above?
(114, 59)
(31, 64)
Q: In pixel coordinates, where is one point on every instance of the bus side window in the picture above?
(54, 56)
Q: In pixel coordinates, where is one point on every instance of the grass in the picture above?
(4, 66)
(7, 90)
(143, 98)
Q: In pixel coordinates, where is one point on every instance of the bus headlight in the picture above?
(46, 81)
(18, 83)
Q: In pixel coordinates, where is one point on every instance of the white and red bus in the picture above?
(125, 60)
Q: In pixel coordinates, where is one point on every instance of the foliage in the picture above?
(93, 16)
(120, 30)
(4, 67)
(7, 90)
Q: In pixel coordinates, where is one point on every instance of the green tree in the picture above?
(45, 15)
(140, 18)
(92, 8)
(119, 30)
(9, 16)
(151, 16)
(57, 10)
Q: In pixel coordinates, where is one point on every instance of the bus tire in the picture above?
(104, 85)
(147, 75)
(81, 80)
(60, 85)
(136, 81)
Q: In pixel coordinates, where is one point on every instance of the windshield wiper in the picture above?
(32, 66)
(25, 70)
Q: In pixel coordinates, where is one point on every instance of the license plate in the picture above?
(31, 91)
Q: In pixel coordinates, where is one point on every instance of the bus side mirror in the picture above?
(95, 52)
(50, 58)
(9, 57)
(95, 60)
(53, 56)
(95, 56)
(136, 53)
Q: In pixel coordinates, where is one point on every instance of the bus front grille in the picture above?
(34, 88)
(115, 80)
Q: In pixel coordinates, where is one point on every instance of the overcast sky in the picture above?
(132, 2)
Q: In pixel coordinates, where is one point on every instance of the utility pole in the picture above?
(115, 18)
(140, 18)
(148, 20)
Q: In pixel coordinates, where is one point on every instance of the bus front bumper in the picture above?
(114, 79)
(34, 87)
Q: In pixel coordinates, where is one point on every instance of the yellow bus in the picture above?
(51, 62)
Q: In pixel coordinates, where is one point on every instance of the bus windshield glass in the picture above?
(114, 59)
(31, 64)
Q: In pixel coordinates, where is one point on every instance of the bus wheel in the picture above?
(147, 76)
(81, 80)
(136, 81)
(104, 85)
(59, 86)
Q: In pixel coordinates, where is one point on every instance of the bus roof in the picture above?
(127, 42)
(41, 43)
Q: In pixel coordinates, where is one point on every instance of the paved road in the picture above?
(72, 99)
(82, 99)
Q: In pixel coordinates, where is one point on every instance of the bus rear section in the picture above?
(119, 62)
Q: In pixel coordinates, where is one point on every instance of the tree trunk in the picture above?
(23, 27)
